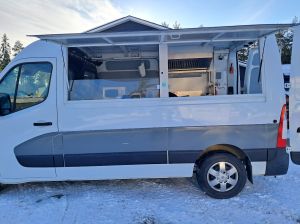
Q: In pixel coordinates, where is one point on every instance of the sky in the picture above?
(19, 18)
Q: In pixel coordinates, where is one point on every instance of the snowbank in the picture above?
(269, 200)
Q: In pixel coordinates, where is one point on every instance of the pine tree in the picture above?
(285, 41)
(5, 52)
(243, 54)
(17, 47)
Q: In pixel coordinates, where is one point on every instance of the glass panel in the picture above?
(249, 70)
(8, 83)
(255, 60)
(33, 84)
(113, 73)
(117, 88)
(255, 83)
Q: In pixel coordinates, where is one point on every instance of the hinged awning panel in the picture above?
(195, 35)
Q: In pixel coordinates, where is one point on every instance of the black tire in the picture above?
(203, 177)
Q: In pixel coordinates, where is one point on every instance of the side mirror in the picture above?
(5, 104)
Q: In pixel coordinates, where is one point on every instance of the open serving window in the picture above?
(205, 61)
(121, 72)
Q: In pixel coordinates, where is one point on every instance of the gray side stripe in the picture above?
(130, 146)
(128, 158)
(107, 159)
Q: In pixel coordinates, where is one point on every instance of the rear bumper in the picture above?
(277, 162)
(295, 156)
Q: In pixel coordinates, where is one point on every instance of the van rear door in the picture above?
(295, 98)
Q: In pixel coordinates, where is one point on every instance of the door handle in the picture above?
(39, 124)
(298, 130)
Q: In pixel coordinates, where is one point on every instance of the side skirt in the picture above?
(114, 172)
(126, 172)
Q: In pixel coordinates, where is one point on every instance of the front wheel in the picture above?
(221, 176)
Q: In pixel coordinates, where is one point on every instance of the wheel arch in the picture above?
(231, 149)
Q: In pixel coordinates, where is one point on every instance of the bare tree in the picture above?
(296, 20)
(176, 25)
(165, 24)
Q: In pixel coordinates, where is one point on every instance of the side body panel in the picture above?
(295, 98)
(165, 126)
(145, 146)
(186, 125)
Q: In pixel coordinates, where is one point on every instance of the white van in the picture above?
(149, 104)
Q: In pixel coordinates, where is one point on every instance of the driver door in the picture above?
(27, 132)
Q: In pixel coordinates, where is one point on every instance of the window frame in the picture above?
(259, 96)
(17, 83)
(68, 86)
(163, 99)
(7, 73)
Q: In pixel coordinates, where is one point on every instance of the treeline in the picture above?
(6, 52)
(284, 41)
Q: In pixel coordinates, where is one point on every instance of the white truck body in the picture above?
(159, 137)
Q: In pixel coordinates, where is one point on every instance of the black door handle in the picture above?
(39, 124)
(298, 130)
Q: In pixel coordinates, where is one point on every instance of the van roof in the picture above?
(235, 35)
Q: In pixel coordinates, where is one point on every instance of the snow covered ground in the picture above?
(269, 200)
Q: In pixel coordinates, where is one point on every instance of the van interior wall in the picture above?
(121, 72)
(189, 70)
(208, 69)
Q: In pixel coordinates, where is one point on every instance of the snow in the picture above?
(269, 200)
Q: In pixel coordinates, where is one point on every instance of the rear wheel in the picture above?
(221, 176)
